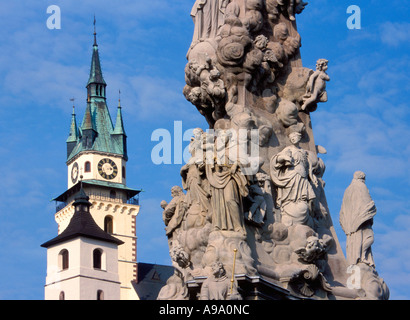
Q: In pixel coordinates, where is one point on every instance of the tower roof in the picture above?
(96, 75)
(82, 224)
(97, 130)
(88, 122)
(74, 133)
(119, 124)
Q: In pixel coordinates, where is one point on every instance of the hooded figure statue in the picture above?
(356, 219)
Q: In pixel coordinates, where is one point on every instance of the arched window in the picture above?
(109, 224)
(100, 295)
(62, 296)
(97, 259)
(87, 166)
(63, 258)
(86, 141)
(123, 172)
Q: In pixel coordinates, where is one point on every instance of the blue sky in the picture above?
(364, 125)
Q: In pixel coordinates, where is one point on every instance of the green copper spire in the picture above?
(74, 134)
(97, 132)
(119, 124)
(96, 76)
(88, 129)
(118, 136)
(88, 123)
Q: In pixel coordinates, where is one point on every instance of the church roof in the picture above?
(82, 224)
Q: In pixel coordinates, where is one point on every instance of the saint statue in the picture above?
(174, 211)
(218, 286)
(356, 219)
(291, 173)
(193, 180)
(228, 187)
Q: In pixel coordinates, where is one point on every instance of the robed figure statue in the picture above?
(356, 219)
(208, 16)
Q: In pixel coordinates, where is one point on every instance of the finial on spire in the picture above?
(72, 100)
(95, 33)
(119, 98)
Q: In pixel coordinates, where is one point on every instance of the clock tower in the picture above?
(96, 163)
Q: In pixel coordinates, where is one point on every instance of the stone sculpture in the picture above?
(218, 286)
(291, 172)
(291, 7)
(316, 87)
(259, 195)
(356, 218)
(174, 211)
(208, 16)
(255, 209)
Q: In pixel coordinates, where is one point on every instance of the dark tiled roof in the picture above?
(151, 278)
(82, 224)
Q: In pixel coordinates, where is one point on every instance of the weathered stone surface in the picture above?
(255, 206)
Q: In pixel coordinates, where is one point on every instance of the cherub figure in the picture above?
(316, 86)
(215, 87)
(315, 248)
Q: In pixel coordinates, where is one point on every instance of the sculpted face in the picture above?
(197, 133)
(218, 269)
(295, 137)
(176, 191)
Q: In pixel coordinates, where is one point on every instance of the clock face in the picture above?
(107, 169)
(74, 172)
